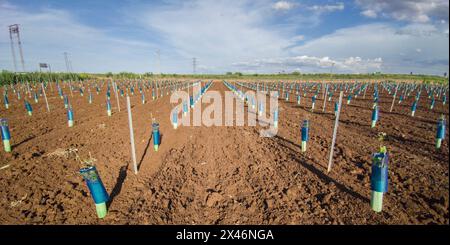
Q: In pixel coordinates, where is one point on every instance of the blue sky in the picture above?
(264, 36)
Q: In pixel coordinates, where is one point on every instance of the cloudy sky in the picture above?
(263, 36)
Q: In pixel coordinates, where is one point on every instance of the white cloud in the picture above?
(218, 33)
(421, 11)
(369, 13)
(47, 33)
(362, 49)
(327, 7)
(283, 5)
(366, 41)
(322, 62)
(298, 38)
(247, 34)
(418, 30)
(6, 5)
(313, 63)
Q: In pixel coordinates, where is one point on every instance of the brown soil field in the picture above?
(222, 174)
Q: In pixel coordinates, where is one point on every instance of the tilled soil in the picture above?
(222, 174)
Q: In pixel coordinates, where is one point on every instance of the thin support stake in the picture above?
(365, 90)
(330, 161)
(324, 97)
(393, 99)
(130, 123)
(28, 87)
(45, 96)
(70, 88)
(117, 96)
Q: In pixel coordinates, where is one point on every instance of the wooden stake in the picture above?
(393, 98)
(70, 88)
(330, 161)
(130, 123)
(45, 96)
(325, 97)
(117, 96)
(365, 90)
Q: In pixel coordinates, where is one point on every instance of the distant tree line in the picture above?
(7, 77)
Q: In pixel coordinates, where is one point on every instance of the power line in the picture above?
(12, 49)
(194, 65)
(158, 55)
(14, 32)
(66, 59)
(70, 66)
